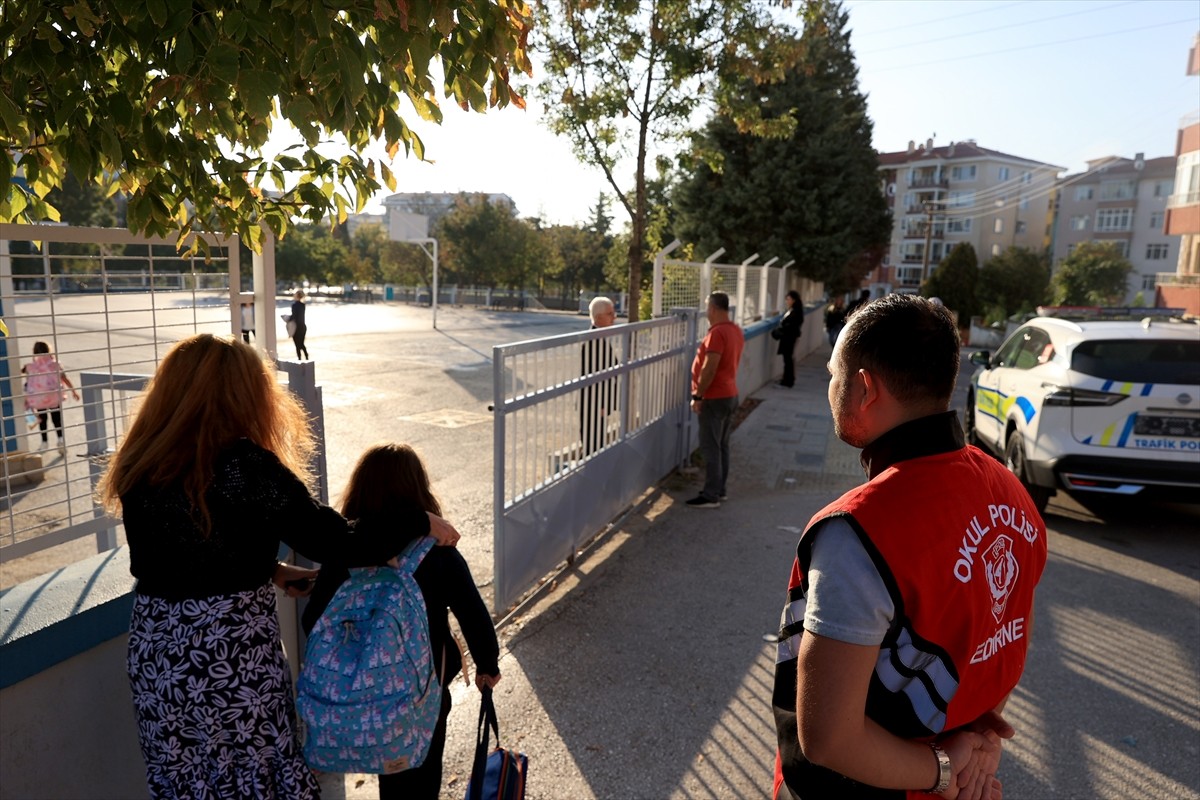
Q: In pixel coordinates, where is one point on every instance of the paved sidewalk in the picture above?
(644, 673)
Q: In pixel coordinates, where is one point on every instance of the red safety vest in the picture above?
(960, 547)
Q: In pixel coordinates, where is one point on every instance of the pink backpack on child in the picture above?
(43, 384)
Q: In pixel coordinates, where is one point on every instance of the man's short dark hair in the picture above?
(909, 342)
(720, 300)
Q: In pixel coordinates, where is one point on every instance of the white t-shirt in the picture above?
(847, 599)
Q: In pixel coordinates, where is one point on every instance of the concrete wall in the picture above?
(66, 716)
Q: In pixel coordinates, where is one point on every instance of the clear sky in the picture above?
(1059, 81)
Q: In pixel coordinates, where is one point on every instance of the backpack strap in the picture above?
(487, 724)
(411, 556)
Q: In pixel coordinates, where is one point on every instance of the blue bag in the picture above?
(368, 694)
(499, 775)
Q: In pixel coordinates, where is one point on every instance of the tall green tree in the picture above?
(1015, 281)
(954, 281)
(1095, 274)
(812, 195)
(312, 253)
(624, 78)
(172, 101)
(484, 244)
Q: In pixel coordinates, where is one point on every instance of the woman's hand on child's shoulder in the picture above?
(443, 531)
(486, 681)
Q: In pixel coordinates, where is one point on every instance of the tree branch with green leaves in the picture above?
(173, 101)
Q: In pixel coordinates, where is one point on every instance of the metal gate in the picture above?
(584, 424)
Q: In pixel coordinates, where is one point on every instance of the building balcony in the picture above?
(1183, 199)
(919, 233)
(928, 181)
(908, 277)
(1176, 279)
(909, 258)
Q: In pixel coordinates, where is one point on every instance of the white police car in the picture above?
(1093, 405)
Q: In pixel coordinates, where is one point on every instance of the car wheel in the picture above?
(1014, 459)
(972, 436)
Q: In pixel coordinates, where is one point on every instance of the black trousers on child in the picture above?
(423, 782)
(56, 414)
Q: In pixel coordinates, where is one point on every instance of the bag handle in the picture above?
(487, 722)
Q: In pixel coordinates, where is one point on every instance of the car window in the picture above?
(1139, 361)
(1007, 354)
(1027, 348)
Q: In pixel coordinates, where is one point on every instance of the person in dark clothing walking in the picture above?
(864, 297)
(598, 401)
(301, 328)
(788, 333)
(386, 476)
(835, 319)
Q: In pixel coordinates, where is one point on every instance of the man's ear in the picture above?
(871, 389)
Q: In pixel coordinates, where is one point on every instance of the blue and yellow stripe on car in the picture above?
(1127, 388)
(996, 405)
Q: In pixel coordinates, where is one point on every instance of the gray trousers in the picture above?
(716, 426)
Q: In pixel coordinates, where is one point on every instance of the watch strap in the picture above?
(945, 769)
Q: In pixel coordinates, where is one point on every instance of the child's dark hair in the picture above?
(41, 348)
(384, 474)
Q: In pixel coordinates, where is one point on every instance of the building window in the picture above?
(1084, 192)
(1149, 282)
(961, 199)
(1109, 220)
(1002, 174)
(1121, 245)
(1156, 252)
(1156, 220)
(1020, 226)
(966, 173)
(1117, 190)
(996, 249)
(1070, 250)
(998, 226)
(1026, 177)
(1079, 223)
(1163, 188)
(958, 225)
(1024, 203)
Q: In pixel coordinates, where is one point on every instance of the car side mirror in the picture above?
(982, 358)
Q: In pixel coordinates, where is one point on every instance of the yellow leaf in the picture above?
(3, 328)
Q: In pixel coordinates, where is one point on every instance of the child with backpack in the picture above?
(385, 474)
(44, 379)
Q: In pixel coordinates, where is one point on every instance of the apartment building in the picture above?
(960, 192)
(1183, 210)
(1122, 201)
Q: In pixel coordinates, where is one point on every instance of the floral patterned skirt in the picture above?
(213, 697)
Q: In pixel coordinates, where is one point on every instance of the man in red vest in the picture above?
(910, 603)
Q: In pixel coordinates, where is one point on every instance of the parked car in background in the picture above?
(1079, 399)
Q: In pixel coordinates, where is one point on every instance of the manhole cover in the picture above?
(448, 418)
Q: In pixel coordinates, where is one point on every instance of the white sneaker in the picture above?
(62, 447)
(43, 445)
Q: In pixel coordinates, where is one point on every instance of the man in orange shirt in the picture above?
(715, 396)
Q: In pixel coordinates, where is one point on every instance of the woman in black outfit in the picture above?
(788, 333)
(385, 475)
(209, 479)
(301, 329)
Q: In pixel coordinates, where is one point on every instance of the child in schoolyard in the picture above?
(44, 379)
(385, 475)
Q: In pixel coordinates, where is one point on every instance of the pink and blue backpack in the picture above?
(368, 693)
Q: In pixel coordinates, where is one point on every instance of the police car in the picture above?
(1082, 400)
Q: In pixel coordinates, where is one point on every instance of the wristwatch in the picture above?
(945, 771)
(698, 398)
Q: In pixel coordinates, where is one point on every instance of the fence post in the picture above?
(659, 260)
(763, 278)
(741, 288)
(783, 285)
(706, 277)
(499, 398)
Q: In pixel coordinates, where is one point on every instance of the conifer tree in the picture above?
(812, 194)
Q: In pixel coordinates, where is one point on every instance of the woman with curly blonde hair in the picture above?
(209, 479)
